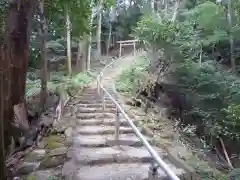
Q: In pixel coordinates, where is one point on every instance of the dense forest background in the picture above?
(193, 49)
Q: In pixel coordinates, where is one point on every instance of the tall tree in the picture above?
(231, 42)
(68, 30)
(90, 37)
(43, 57)
(18, 37)
(5, 74)
(14, 60)
(99, 30)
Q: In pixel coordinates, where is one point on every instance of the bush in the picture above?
(131, 78)
(214, 95)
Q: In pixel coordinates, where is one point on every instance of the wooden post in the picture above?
(103, 100)
(99, 89)
(152, 173)
(134, 48)
(98, 86)
(120, 50)
(117, 124)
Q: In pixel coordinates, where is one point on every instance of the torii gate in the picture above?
(127, 43)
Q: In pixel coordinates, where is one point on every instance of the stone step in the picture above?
(108, 140)
(95, 115)
(93, 98)
(96, 105)
(94, 101)
(95, 95)
(93, 91)
(95, 110)
(105, 121)
(125, 171)
(114, 154)
(91, 130)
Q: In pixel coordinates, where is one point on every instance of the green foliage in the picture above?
(213, 93)
(150, 30)
(57, 79)
(235, 174)
(130, 78)
(204, 171)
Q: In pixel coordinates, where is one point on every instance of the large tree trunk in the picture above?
(19, 17)
(69, 61)
(43, 58)
(14, 60)
(5, 86)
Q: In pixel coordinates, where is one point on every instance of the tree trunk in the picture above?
(69, 61)
(85, 45)
(231, 42)
(20, 14)
(79, 55)
(82, 53)
(43, 57)
(109, 38)
(176, 10)
(152, 5)
(166, 6)
(90, 40)
(5, 74)
(14, 60)
(99, 30)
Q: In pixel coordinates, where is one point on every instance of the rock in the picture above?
(64, 123)
(167, 135)
(50, 162)
(41, 144)
(50, 174)
(27, 167)
(54, 141)
(54, 145)
(35, 155)
(47, 121)
(31, 177)
(68, 169)
(68, 132)
(58, 151)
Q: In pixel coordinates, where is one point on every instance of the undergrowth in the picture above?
(57, 79)
(131, 77)
(204, 171)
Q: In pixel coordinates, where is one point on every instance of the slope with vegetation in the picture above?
(192, 67)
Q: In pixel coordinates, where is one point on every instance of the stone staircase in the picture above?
(96, 155)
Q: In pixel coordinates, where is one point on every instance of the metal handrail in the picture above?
(150, 149)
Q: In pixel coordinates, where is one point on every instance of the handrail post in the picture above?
(117, 124)
(152, 172)
(98, 85)
(103, 100)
